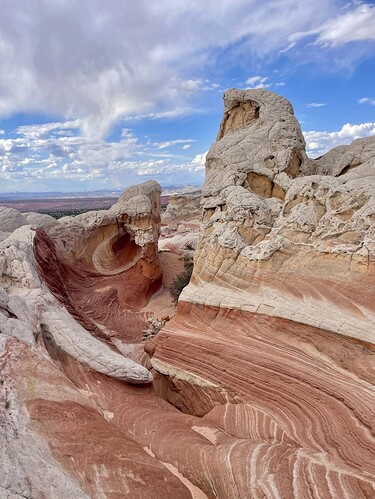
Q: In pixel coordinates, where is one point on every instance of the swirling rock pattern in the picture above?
(107, 272)
(103, 266)
(273, 340)
(264, 380)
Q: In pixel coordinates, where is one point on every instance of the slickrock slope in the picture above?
(274, 337)
(263, 383)
(57, 438)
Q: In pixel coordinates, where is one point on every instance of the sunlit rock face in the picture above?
(262, 386)
(278, 239)
(103, 266)
(11, 219)
(274, 340)
(86, 281)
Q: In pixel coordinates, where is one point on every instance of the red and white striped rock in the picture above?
(273, 341)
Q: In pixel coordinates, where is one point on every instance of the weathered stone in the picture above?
(273, 340)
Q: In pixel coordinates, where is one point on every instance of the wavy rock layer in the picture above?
(92, 277)
(278, 241)
(103, 266)
(280, 385)
(263, 382)
(273, 340)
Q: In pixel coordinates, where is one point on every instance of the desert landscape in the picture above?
(257, 381)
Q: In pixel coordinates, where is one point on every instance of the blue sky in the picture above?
(101, 95)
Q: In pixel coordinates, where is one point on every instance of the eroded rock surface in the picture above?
(11, 219)
(62, 287)
(103, 266)
(274, 336)
(278, 241)
(263, 383)
(182, 207)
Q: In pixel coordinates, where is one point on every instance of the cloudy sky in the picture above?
(101, 95)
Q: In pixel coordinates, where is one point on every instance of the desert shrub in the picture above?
(182, 279)
(68, 212)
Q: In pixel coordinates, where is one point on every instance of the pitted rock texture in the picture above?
(182, 207)
(262, 153)
(273, 340)
(181, 224)
(341, 159)
(280, 241)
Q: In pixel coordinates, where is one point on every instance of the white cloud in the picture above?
(318, 143)
(258, 82)
(2, 131)
(43, 159)
(316, 104)
(353, 26)
(98, 61)
(262, 82)
(366, 100)
(171, 143)
(199, 161)
(38, 131)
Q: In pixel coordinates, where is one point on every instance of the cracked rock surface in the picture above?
(262, 383)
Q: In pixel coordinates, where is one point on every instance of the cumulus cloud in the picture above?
(97, 62)
(318, 143)
(55, 156)
(199, 161)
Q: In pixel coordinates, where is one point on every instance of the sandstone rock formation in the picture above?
(11, 219)
(263, 382)
(59, 307)
(273, 339)
(103, 266)
(182, 207)
(297, 245)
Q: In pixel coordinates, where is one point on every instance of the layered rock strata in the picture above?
(278, 241)
(86, 279)
(273, 339)
(263, 383)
